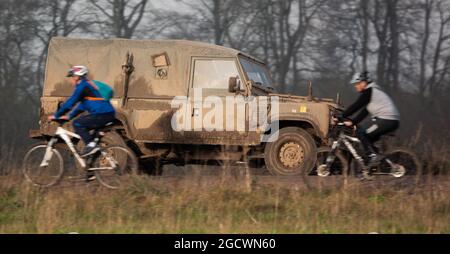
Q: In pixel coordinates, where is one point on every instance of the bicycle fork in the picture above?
(48, 153)
(330, 158)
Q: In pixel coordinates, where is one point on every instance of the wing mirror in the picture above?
(234, 84)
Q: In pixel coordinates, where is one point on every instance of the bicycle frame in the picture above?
(65, 135)
(347, 140)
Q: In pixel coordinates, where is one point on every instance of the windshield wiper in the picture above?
(261, 87)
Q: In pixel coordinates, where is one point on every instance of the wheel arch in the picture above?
(307, 124)
(122, 123)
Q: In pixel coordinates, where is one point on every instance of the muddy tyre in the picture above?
(291, 154)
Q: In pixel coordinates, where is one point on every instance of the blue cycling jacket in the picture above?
(90, 100)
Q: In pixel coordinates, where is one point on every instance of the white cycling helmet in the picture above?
(361, 76)
(78, 70)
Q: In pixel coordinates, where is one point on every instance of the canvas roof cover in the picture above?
(104, 59)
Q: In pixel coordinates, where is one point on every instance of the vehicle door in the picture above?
(217, 116)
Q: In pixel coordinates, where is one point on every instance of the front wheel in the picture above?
(323, 177)
(291, 154)
(43, 166)
(114, 166)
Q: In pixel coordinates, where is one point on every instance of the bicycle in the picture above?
(43, 164)
(333, 169)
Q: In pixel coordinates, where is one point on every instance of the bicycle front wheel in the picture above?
(322, 178)
(43, 167)
(114, 166)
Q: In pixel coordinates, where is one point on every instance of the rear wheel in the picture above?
(404, 171)
(111, 138)
(322, 177)
(404, 174)
(39, 172)
(292, 153)
(115, 166)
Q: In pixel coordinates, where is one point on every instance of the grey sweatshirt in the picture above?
(375, 101)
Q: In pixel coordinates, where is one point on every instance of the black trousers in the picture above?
(373, 132)
(84, 124)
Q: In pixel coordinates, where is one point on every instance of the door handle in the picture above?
(195, 111)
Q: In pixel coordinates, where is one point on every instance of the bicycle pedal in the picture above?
(91, 152)
(367, 176)
(90, 177)
(380, 173)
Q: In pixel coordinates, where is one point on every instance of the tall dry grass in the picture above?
(197, 204)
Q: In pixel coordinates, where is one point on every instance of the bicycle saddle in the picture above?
(107, 127)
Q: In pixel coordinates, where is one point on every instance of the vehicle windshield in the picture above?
(256, 72)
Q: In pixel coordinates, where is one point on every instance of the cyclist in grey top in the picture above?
(373, 101)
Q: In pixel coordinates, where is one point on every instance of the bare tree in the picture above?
(56, 18)
(213, 18)
(364, 13)
(434, 48)
(283, 29)
(427, 7)
(380, 19)
(336, 48)
(122, 16)
(441, 57)
(17, 101)
(222, 13)
(16, 26)
(393, 63)
(243, 32)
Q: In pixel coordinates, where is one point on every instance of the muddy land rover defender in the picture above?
(165, 91)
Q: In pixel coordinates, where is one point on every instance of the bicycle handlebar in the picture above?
(60, 121)
(340, 126)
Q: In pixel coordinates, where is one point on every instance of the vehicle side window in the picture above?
(214, 73)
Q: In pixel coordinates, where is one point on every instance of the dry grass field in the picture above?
(196, 203)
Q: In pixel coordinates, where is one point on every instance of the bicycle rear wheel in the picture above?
(115, 166)
(336, 177)
(39, 172)
(406, 170)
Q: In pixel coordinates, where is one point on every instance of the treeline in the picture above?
(404, 43)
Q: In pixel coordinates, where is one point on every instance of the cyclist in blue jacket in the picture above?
(89, 99)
